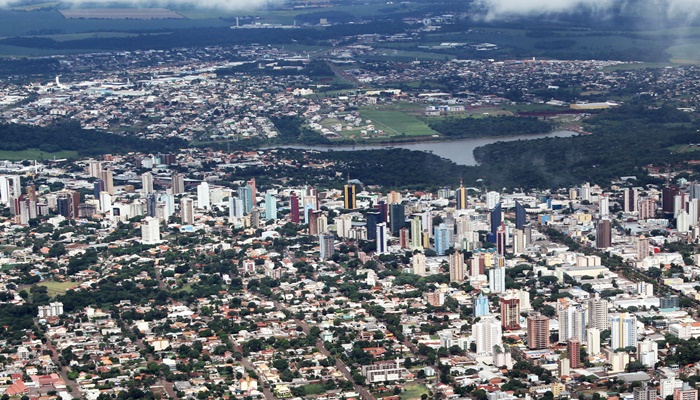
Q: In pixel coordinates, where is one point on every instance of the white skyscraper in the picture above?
(343, 224)
(382, 238)
(487, 334)
(10, 188)
(623, 331)
(105, 201)
(147, 182)
(492, 198)
(203, 196)
(593, 341)
(683, 222)
(572, 321)
(497, 279)
(150, 230)
(604, 206)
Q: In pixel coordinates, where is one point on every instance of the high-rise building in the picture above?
(150, 230)
(147, 183)
(381, 237)
(668, 200)
(294, 205)
(604, 206)
(95, 168)
(416, 233)
(253, 190)
(236, 209)
(373, 218)
(151, 205)
(108, 178)
(668, 385)
(604, 234)
(685, 393)
(682, 222)
(404, 238)
(487, 334)
(443, 238)
(647, 208)
(383, 210)
(496, 217)
(10, 187)
(326, 249)
(520, 215)
(456, 267)
(313, 222)
(68, 203)
(393, 197)
(510, 313)
(270, 206)
(501, 240)
(623, 331)
(598, 313)
(573, 349)
(418, 264)
(203, 196)
(177, 184)
(481, 306)
(461, 197)
(492, 199)
(593, 341)
(497, 279)
(537, 331)
(518, 242)
(645, 392)
(187, 211)
(572, 321)
(245, 193)
(643, 247)
(397, 218)
(350, 201)
(630, 200)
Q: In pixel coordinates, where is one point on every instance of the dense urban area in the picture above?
(173, 226)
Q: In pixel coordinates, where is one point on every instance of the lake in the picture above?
(460, 151)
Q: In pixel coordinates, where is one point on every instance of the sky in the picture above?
(496, 9)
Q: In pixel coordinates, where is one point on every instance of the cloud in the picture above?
(496, 9)
(228, 5)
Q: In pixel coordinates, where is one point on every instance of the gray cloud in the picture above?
(228, 5)
(495, 9)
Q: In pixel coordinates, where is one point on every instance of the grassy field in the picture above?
(397, 123)
(55, 288)
(314, 388)
(35, 154)
(413, 391)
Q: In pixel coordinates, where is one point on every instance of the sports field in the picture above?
(397, 123)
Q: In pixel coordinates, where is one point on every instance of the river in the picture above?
(460, 151)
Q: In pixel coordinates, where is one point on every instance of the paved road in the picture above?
(62, 372)
(266, 390)
(364, 393)
(168, 386)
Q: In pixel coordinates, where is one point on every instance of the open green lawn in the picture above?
(396, 123)
(314, 388)
(55, 288)
(35, 154)
(414, 390)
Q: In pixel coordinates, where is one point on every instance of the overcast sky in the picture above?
(664, 8)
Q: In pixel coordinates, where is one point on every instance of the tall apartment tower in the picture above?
(573, 348)
(537, 331)
(349, 195)
(457, 267)
(604, 234)
(510, 313)
(630, 200)
(598, 313)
